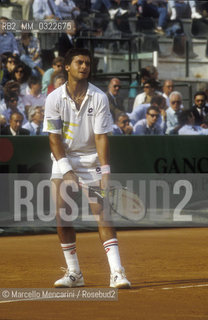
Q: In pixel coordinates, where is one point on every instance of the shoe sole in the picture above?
(121, 286)
(73, 286)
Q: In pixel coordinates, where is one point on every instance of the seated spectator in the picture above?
(26, 7)
(10, 88)
(57, 65)
(57, 79)
(122, 124)
(140, 112)
(21, 74)
(35, 123)
(29, 48)
(179, 9)
(167, 89)
(172, 113)
(149, 88)
(45, 9)
(186, 120)
(69, 39)
(200, 109)
(11, 106)
(9, 63)
(149, 126)
(68, 9)
(15, 126)
(137, 85)
(7, 39)
(155, 9)
(115, 102)
(34, 97)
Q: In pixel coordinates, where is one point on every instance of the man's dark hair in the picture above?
(183, 117)
(157, 99)
(200, 93)
(76, 52)
(9, 95)
(33, 80)
(16, 112)
(156, 109)
(57, 60)
(121, 114)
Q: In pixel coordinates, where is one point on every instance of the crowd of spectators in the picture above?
(26, 79)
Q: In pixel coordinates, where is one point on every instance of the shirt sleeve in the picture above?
(52, 118)
(103, 119)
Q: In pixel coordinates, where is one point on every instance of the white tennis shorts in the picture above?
(86, 167)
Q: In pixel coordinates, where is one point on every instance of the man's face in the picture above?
(152, 117)
(200, 101)
(114, 86)
(148, 89)
(19, 74)
(168, 87)
(122, 122)
(58, 66)
(175, 102)
(36, 88)
(38, 116)
(16, 122)
(79, 68)
(12, 103)
(10, 64)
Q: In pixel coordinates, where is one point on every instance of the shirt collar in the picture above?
(65, 94)
(14, 133)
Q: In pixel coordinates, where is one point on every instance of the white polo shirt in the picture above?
(78, 127)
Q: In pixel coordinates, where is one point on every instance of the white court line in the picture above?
(180, 287)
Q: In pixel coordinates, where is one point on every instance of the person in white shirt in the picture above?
(34, 97)
(149, 88)
(78, 119)
(68, 9)
(167, 88)
(188, 127)
(172, 113)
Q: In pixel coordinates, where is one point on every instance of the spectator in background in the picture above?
(122, 124)
(10, 88)
(8, 67)
(68, 39)
(172, 113)
(114, 7)
(149, 126)
(149, 88)
(7, 40)
(26, 7)
(35, 123)
(57, 79)
(2, 123)
(21, 74)
(115, 102)
(45, 9)
(57, 65)
(15, 125)
(29, 49)
(68, 9)
(200, 109)
(181, 8)
(34, 97)
(11, 102)
(155, 9)
(186, 120)
(167, 89)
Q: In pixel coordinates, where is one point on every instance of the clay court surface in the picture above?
(168, 269)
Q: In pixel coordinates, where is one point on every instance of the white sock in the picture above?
(69, 250)
(112, 251)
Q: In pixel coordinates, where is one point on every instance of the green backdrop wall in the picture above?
(136, 154)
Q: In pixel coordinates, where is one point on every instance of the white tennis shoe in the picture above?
(118, 280)
(71, 279)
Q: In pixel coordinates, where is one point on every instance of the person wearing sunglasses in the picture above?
(200, 109)
(21, 74)
(122, 125)
(173, 111)
(11, 105)
(149, 90)
(149, 126)
(57, 65)
(115, 101)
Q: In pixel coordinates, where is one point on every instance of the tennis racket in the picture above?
(121, 201)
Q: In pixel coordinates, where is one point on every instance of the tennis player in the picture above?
(77, 117)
